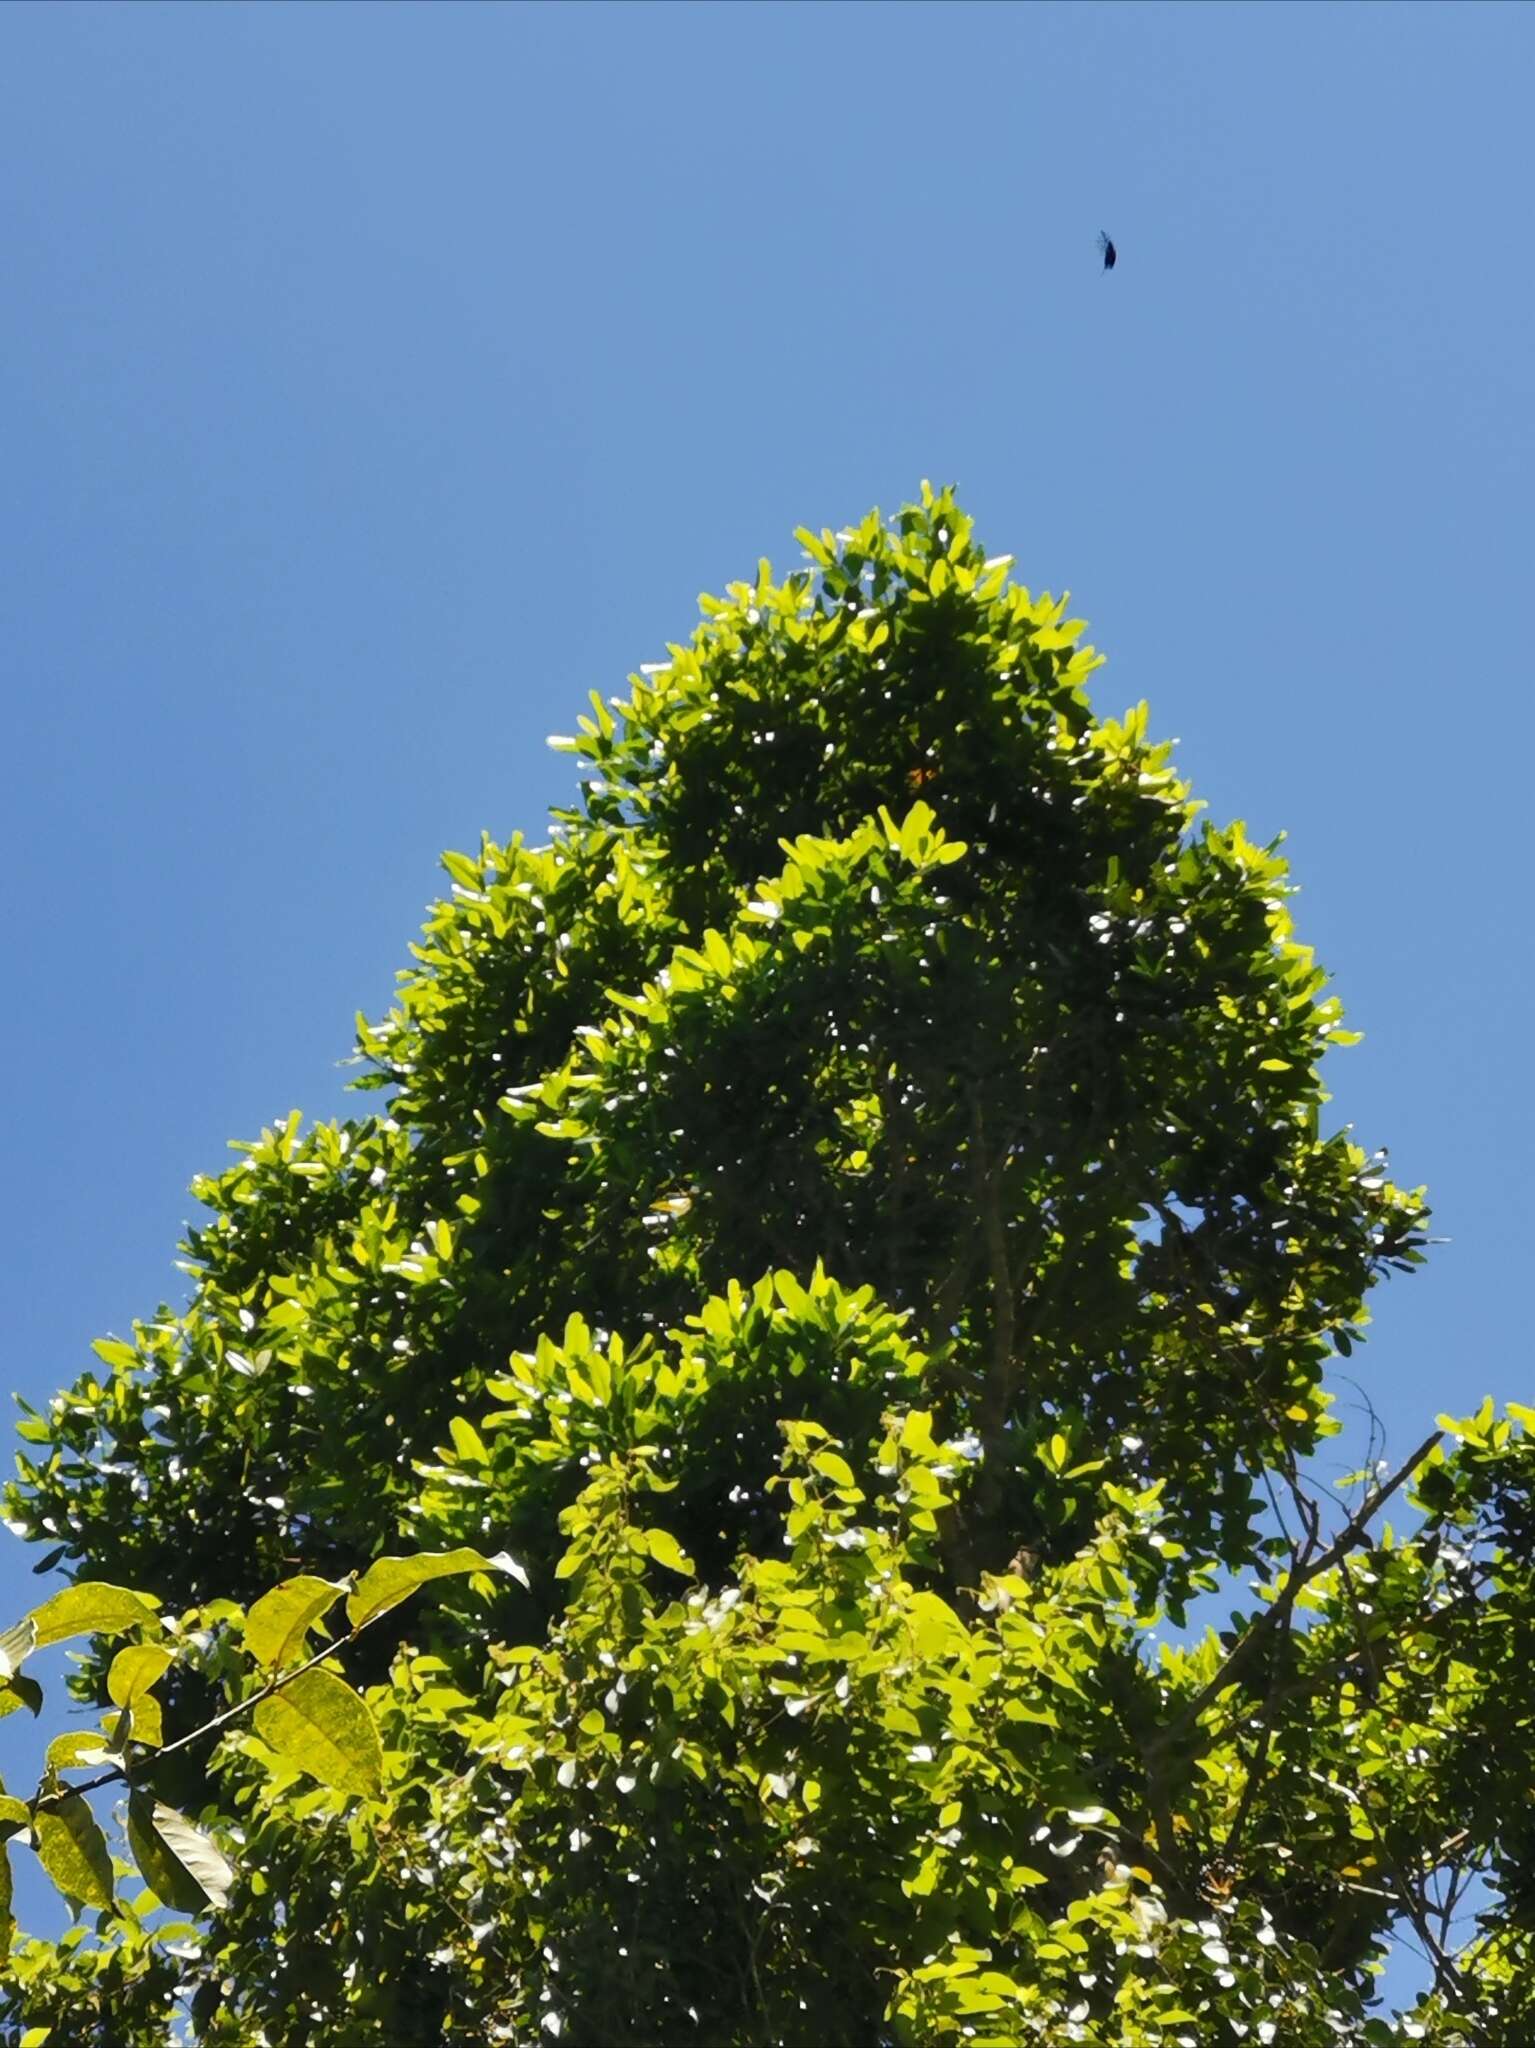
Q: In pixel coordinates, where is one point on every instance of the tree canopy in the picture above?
(849, 1246)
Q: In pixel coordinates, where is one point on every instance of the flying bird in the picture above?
(1110, 253)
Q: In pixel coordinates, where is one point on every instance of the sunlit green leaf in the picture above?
(389, 1580)
(134, 1670)
(182, 1866)
(16, 1645)
(277, 1625)
(78, 1748)
(92, 1608)
(73, 1851)
(20, 1691)
(665, 1549)
(317, 1723)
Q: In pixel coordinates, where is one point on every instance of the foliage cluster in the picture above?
(853, 1216)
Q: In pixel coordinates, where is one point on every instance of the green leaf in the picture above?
(665, 1549)
(134, 1670)
(113, 1351)
(917, 1432)
(92, 1608)
(15, 1814)
(278, 1624)
(319, 1725)
(389, 1580)
(836, 1469)
(467, 1442)
(937, 1629)
(182, 1866)
(466, 872)
(20, 1691)
(16, 1645)
(73, 1851)
(78, 1749)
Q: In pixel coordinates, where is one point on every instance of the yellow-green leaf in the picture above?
(92, 1608)
(1020, 1710)
(389, 1580)
(835, 1468)
(665, 1549)
(467, 1442)
(15, 1814)
(112, 1351)
(278, 1624)
(917, 1432)
(319, 1725)
(182, 1866)
(134, 1670)
(935, 1626)
(79, 1748)
(73, 1851)
(16, 1645)
(20, 1691)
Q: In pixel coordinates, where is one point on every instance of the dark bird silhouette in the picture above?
(1110, 253)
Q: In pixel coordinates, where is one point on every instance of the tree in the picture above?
(852, 1216)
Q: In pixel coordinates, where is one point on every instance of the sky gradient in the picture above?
(380, 380)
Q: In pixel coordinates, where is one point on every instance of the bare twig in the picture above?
(1446, 1976)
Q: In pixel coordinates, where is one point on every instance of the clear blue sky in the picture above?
(379, 380)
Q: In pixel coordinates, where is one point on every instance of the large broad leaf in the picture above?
(92, 1608)
(79, 1749)
(73, 1851)
(15, 1814)
(182, 1866)
(133, 1672)
(16, 1645)
(389, 1580)
(320, 1725)
(663, 1546)
(20, 1691)
(277, 1626)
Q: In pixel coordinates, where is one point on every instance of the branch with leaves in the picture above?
(1276, 1616)
(305, 1712)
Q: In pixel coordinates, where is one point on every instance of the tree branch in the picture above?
(1278, 1615)
(997, 1388)
(124, 1772)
